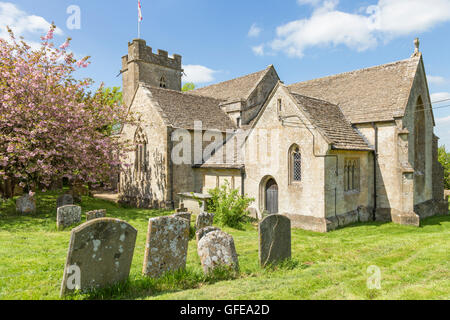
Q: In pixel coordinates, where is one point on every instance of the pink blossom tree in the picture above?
(52, 125)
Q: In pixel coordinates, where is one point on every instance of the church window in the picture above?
(351, 175)
(295, 165)
(162, 82)
(280, 102)
(140, 139)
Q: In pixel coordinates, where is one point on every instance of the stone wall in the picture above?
(345, 207)
(259, 96)
(150, 188)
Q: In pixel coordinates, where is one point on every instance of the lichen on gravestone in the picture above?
(166, 245)
(67, 216)
(100, 255)
(217, 250)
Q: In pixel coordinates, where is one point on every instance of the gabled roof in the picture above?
(180, 109)
(366, 95)
(330, 120)
(235, 89)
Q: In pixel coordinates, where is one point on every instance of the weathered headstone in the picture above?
(26, 204)
(166, 246)
(203, 232)
(95, 214)
(100, 255)
(216, 249)
(64, 200)
(182, 208)
(204, 219)
(184, 215)
(67, 216)
(274, 239)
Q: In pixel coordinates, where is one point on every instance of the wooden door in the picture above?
(271, 196)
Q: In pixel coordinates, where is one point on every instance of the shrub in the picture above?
(229, 206)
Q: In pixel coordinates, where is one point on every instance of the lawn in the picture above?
(414, 262)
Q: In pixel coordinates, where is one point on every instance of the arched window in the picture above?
(140, 140)
(295, 164)
(162, 82)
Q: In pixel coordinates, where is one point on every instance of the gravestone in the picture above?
(100, 255)
(182, 208)
(274, 239)
(166, 245)
(184, 215)
(203, 232)
(67, 216)
(95, 214)
(204, 219)
(64, 200)
(26, 204)
(216, 249)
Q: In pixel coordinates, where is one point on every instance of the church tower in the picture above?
(155, 69)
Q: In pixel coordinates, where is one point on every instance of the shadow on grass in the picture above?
(171, 282)
(45, 216)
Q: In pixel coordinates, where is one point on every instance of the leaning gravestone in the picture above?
(26, 204)
(274, 239)
(100, 255)
(67, 216)
(216, 249)
(203, 232)
(64, 200)
(95, 214)
(166, 246)
(204, 219)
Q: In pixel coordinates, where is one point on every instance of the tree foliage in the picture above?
(188, 87)
(52, 125)
(444, 159)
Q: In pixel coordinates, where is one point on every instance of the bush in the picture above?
(444, 159)
(229, 206)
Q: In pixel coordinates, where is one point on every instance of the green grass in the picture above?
(414, 262)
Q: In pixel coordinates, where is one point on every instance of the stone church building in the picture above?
(357, 146)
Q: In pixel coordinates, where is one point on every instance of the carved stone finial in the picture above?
(416, 45)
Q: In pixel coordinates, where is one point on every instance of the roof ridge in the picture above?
(358, 70)
(312, 98)
(240, 77)
(185, 93)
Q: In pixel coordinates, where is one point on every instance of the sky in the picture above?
(220, 40)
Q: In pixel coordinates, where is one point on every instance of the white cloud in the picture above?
(440, 96)
(23, 24)
(258, 50)
(384, 21)
(198, 74)
(254, 31)
(435, 79)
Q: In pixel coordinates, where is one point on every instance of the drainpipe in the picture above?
(242, 181)
(375, 159)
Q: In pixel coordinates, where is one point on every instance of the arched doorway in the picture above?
(271, 196)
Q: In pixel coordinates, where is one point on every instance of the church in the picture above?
(352, 147)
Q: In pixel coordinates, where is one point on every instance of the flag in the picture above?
(139, 11)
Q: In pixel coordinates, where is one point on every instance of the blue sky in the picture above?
(220, 40)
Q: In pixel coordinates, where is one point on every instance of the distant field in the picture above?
(414, 262)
